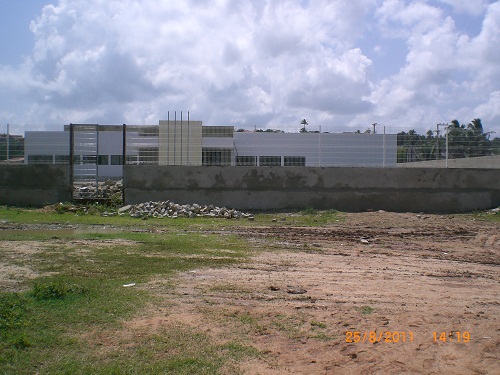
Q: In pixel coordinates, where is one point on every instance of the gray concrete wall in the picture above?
(34, 185)
(346, 189)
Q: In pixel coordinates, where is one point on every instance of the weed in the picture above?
(318, 324)
(365, 310)
(323, 336)
(55, 290)
(309, 211)
(13, 308)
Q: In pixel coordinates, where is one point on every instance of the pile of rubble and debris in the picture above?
(173, 210)
(108, 189)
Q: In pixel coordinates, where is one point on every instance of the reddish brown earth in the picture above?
(394, 278)
(398, 280)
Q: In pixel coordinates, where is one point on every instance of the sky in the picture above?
(341, 64)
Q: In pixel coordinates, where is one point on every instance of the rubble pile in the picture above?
(107, 189)
(173, 210)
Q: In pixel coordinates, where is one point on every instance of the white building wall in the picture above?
(45, 143)
(320, 149)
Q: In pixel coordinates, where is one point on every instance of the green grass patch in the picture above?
(315, 324)
(365, 310)
(44, 330)
(92, 219)
(490, 215)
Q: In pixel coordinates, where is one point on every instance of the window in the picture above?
(132, 159)
(246, 160)
(116, 159)
(148, 155)
(103, 160)
(270, 161)
(62, 159)
(77, 159)
(293, 161)
(216, 156)
(148, 131)
(89, 159)
(217, 131)
(39, 159)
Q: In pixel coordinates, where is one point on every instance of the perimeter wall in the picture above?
(345, 189)
(34, 185)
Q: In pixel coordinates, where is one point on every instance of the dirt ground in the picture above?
(300, 301)
(369, 294)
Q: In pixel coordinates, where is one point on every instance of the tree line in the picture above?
(16, 147)
(463, 141)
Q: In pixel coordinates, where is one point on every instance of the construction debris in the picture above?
(170, 209)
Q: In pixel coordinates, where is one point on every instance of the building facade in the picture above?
(102, 149)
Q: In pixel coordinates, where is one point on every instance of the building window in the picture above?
(246, 160)
(216, 156)
(270, 161)
(77, 159)
(39, 159)
(148, 131)
(148, 155)
(132, 159)
(295, 161)
(62, 159)
(116, 160)
(103, 160)
(89, 159)
(217, 131)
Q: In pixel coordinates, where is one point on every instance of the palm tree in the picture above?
(303, 123)
(476, 126)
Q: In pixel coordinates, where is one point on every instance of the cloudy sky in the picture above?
(341, 64)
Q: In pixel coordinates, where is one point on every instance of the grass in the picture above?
(365, 310)
(93, 219)
(52, 327)
(488, 215)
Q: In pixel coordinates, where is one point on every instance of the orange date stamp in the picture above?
(405, 336)
(375, 337)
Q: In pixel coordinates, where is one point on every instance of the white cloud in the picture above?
(263, 63)
(473, 7)
(490, 110)
(447, 73)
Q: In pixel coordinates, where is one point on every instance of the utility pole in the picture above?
(437, 141)
(8, 143)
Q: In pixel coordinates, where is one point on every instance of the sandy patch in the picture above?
(400, 280)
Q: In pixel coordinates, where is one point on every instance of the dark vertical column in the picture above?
(97, 161)
(71, 157)
(175, 137)
(168, 138)
(124, 158)
(181, 138)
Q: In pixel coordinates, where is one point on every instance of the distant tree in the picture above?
(495, 146)
(476, 126)
(463, 141)
(16, 147)
(304, 123)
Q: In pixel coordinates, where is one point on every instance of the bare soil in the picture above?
(399, 280)
(406, 274)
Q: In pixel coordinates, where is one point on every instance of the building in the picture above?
(100, 150)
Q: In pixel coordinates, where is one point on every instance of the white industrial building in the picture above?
(100, 149)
